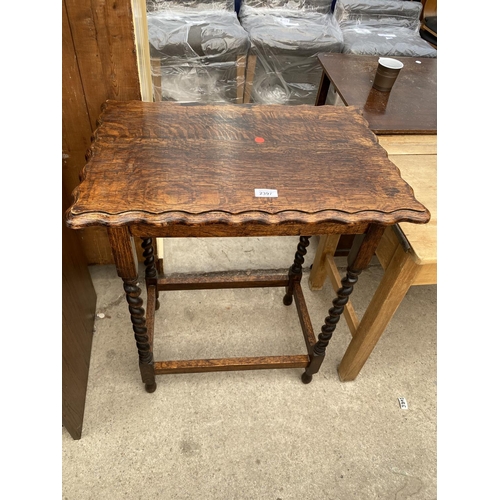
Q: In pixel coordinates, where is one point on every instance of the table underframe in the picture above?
(143, 320)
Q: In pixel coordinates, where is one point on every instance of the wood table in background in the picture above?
(409, 108)
(408, 259)
(408, 256)
(171, 170)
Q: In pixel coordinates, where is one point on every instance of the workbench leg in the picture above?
(397, 279)
(125, 257)
(295, 271)
(327, 245)
(359, 257)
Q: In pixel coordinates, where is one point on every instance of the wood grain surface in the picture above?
(416, 157)
(160, 164)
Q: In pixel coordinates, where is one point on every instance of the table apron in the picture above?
(248, 229)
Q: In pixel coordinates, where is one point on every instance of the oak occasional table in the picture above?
(405, 121)
(170, 170)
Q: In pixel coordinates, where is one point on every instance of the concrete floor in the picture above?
(254, 434)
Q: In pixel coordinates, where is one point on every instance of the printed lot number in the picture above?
(266, 193)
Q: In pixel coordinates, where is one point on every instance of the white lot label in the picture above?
(266, 193)
(403, 404)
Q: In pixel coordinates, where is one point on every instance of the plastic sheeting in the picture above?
(198, 56)
(189, 5)
(379, 13)
(283, 7)
(382, 27)
(283, 65)
(386, 42)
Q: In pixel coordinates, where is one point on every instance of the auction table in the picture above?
(172, 171)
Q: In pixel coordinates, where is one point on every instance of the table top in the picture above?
(161, 164)
(416, 157)
(409, 108)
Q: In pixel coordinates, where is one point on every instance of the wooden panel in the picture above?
(78, 313)
(409, 144)
(77, 131)
(75, 118)
(99, 62)
(103, 34)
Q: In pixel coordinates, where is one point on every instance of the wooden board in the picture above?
(78, 314)
(409, 144)
(99, 61)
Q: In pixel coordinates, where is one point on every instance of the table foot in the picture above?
(287, 300)
(306, 378)
(150, 387)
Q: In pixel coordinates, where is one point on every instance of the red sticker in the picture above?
(259, 140)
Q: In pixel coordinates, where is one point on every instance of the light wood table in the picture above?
(408, 259)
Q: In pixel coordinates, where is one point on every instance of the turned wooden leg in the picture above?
(295, 271)
(125, 257)
(150, 263)
(362, 251)
(137, 315)
(330, 324)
